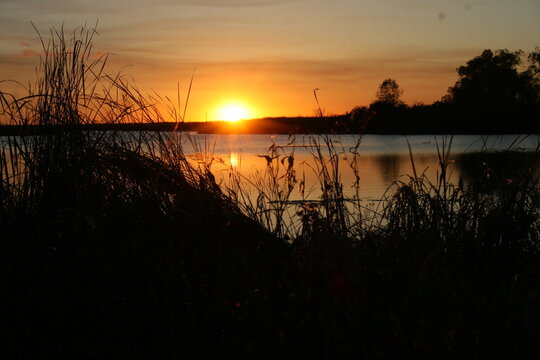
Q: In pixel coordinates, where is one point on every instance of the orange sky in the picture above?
(270, 54)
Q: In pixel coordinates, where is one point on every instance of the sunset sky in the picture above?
(269, 55)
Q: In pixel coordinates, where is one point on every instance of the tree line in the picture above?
(496, 92)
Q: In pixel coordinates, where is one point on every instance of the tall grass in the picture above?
(447, 210)
(116, 243)
(113, 241)
(461, 255)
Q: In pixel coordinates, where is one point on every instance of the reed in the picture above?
(114, 237)
(426, 253)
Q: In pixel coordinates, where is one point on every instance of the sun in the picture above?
(233, 112)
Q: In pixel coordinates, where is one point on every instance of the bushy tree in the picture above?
(534, 61)
(493, 79)
(389, 93)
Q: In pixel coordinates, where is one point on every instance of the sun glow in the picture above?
(233, 112)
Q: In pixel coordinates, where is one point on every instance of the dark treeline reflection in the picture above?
(497, 167)
(474, 168)
(390, 166)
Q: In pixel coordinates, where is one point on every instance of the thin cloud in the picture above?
(338, 70)
(99, 6)
(26, 53)
(236, 3)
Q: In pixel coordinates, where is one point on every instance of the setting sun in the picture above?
(233, 112)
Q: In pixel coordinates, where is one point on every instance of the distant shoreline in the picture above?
(338, 124)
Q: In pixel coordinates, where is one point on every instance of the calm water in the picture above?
(383, 160)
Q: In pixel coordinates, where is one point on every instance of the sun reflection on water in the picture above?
(234, 160)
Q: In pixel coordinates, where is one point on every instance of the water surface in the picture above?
(382, 159)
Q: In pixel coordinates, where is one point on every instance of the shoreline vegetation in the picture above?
(419, 120)
(113, 244)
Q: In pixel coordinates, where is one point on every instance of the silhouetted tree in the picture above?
(534, 60)
(493, 80)
(532, 77)
(389, 93)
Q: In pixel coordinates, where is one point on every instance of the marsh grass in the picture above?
(117, 244)
(462, 255)
(112, 242)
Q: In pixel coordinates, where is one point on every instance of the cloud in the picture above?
(106, 6)
(339, 70)
(235, 3)
(27, 53)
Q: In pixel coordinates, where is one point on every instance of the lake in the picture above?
(381, 159)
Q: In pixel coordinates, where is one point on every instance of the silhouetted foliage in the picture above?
(389, 93)
(534, 60)
(497, 92)
(493, 79)
(359, 118)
